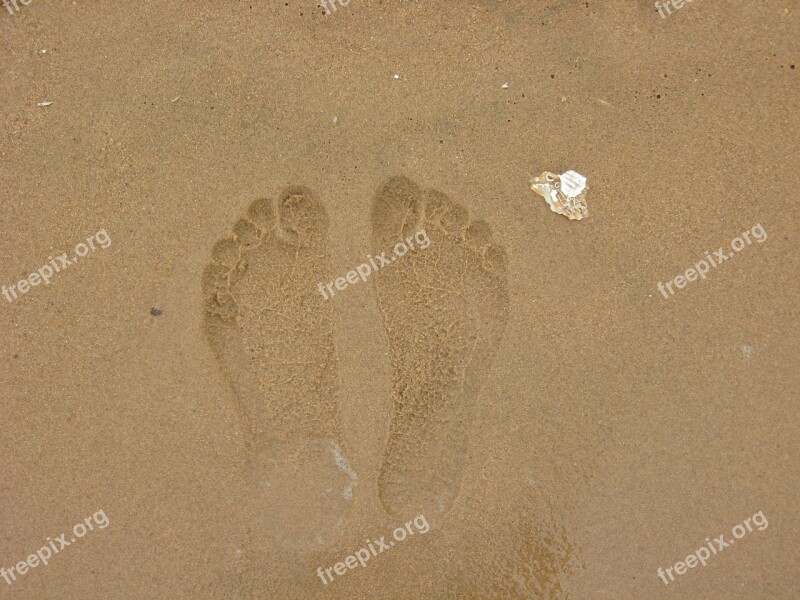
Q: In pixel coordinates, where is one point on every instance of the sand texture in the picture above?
(282, 317)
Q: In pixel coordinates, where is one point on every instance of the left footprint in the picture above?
(272, 333)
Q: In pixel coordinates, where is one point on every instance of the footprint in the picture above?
(272, 333)
(445, 310)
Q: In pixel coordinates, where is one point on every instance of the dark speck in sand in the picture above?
(156, 312)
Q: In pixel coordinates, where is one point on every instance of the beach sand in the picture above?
(516, 395)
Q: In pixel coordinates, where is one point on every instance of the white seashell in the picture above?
(573, 183)
(565, 193)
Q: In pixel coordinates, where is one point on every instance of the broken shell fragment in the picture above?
(565, 193)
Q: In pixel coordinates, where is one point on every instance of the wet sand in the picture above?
(522, 382)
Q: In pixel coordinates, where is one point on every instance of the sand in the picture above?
(515, 403)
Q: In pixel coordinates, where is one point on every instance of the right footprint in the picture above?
(445, 309)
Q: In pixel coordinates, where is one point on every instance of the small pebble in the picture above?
(156, 312)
